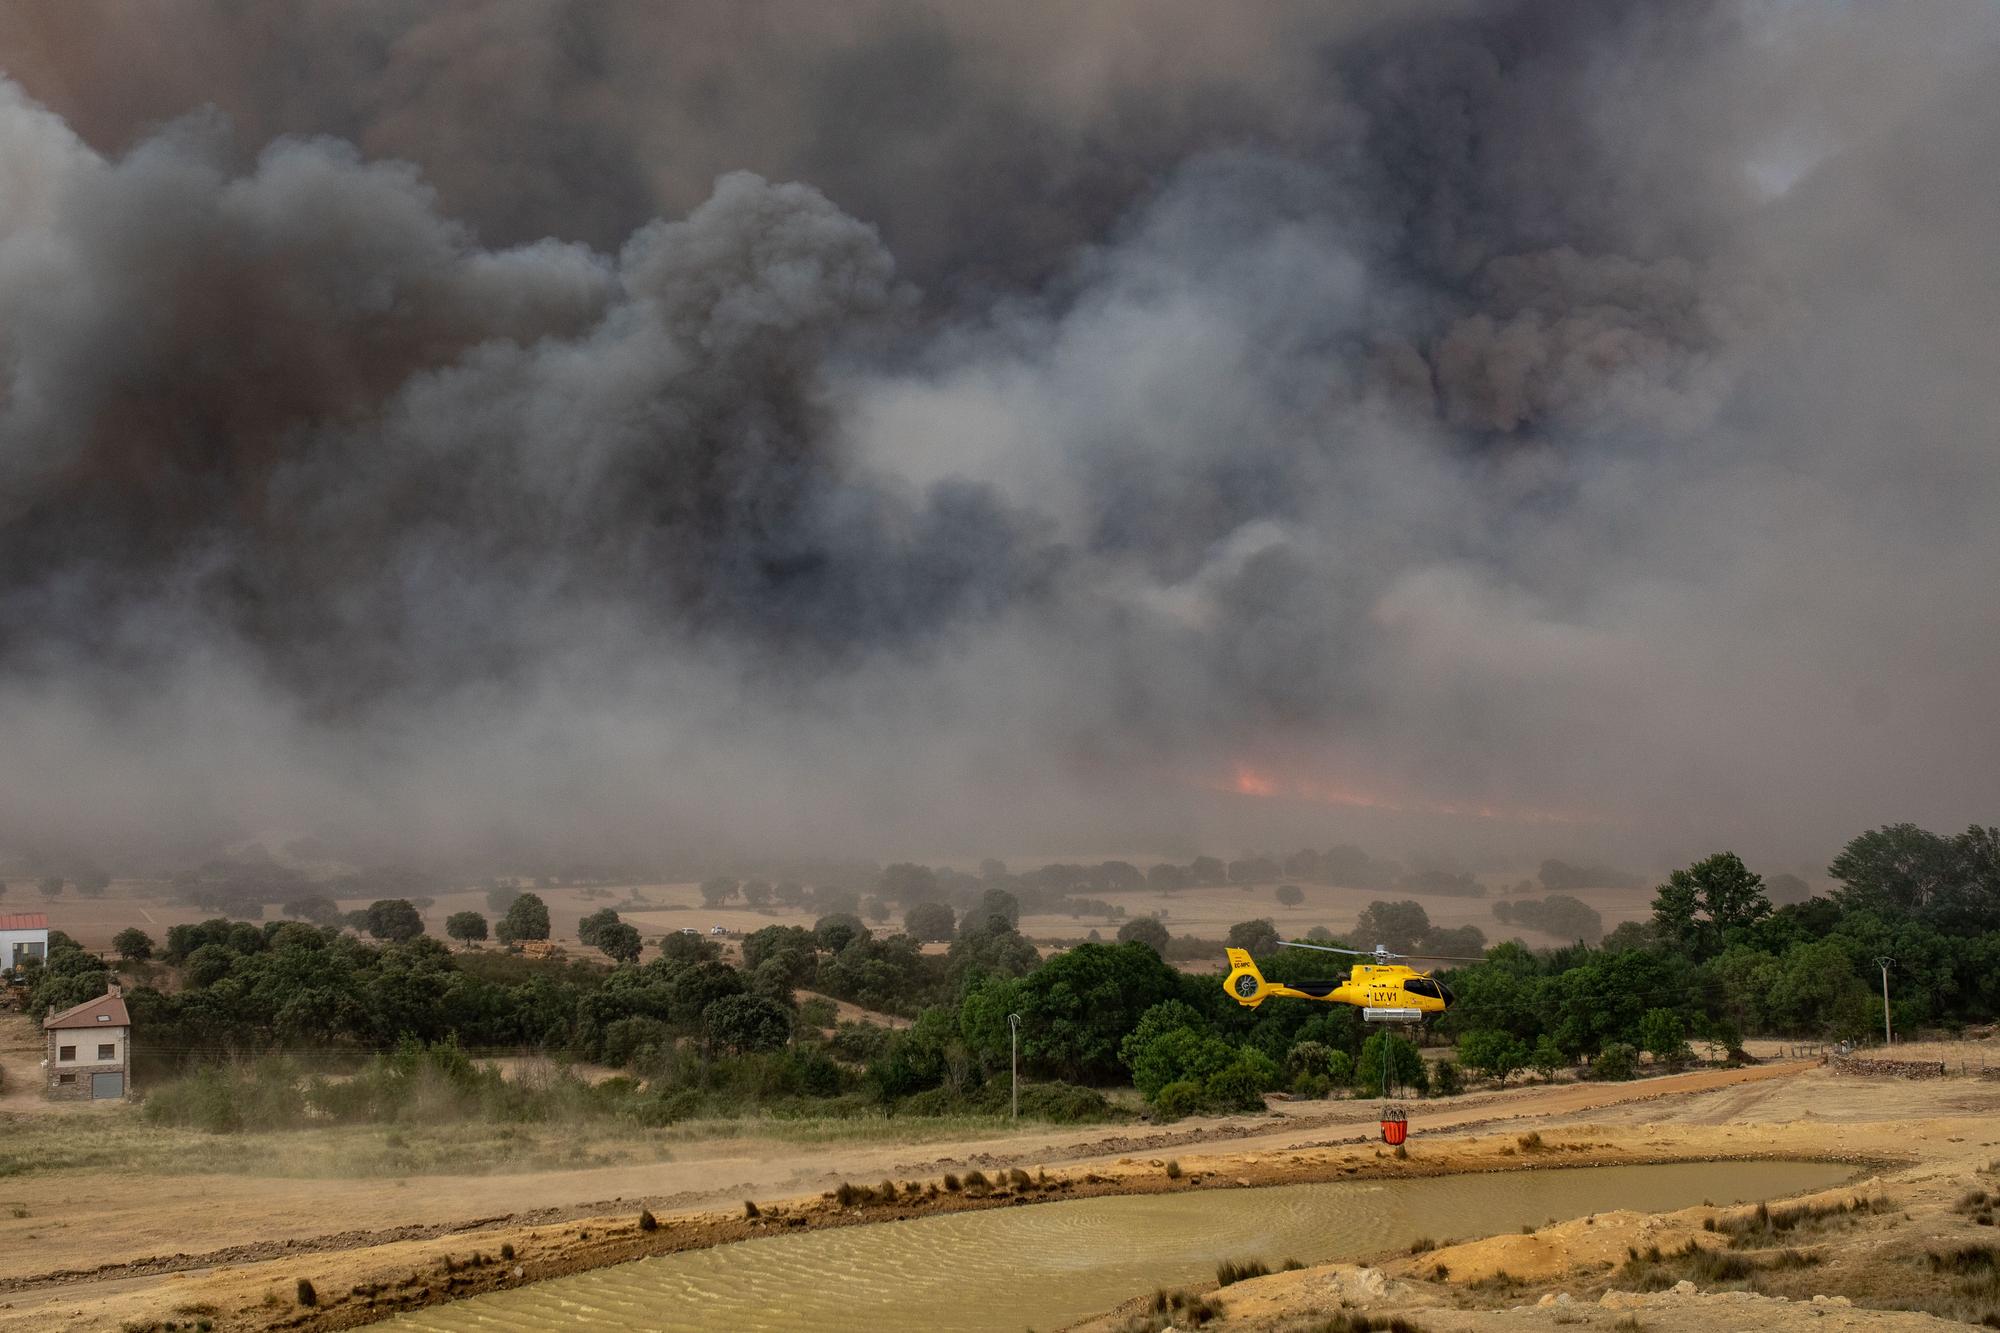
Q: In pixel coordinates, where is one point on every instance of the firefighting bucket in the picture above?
(1395, 1127)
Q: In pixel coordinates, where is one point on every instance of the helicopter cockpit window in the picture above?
(1422, 986)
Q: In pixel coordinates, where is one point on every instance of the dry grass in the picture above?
(1655, 1270)
(1764, 1225)
(1174, 1310)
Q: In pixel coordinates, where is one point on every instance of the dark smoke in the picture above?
(919, 430)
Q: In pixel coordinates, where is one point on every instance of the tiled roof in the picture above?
(106, 1011)
(24, 921)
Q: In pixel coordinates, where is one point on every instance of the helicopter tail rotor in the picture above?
(1244, 981)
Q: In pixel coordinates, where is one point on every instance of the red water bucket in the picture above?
(1394, 1128)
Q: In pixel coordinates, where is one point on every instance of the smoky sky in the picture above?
(1484, 430)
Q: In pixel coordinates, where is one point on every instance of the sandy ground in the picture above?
(101, 1248)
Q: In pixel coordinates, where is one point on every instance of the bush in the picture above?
(1231, 1271)
(1237, 1088)
(1617, 1062)
(1310, 1057)
(1179, 1099)
(818, 1012)
(1446, 1081)
(1312, 1086)
(307, 1296)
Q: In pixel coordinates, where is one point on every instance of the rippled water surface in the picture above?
(1042, 1265)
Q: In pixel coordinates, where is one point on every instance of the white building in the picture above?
(23, 935)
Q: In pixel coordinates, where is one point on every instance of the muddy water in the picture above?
(1041, 1266)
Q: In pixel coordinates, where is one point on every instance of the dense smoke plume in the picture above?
(888, 429)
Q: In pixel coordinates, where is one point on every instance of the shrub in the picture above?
(751, 1210)
(1179, 1099)
(1312, 1085)
(1173, 1168)
(1617, 1062)
(1446, 1081)
(647, 1222)
(951, 1183)
(1240, 1087)
(308, 1297)
(1231, 1271)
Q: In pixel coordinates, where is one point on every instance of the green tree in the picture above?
(908, 883)
(620, 942)
(394, 919)
(1388, 1062)
(1702, 908)
(1494, 1054)
(1312, 1057)
(1663, 1034)
(1290, 895)
(1816, 993)
(994, 904)
(1241, 1084)
(930, 922)
(836, 930)
(1078, 1006)
(133, 944)
(717, 890)
(1148, 931)
(1399, 926)
(466, 927)
(1170, 1043)
(757, 894)
(526, 918)
(745, 1023)
(1547, 1058)
(92, 883)
(589, 927)
(51, 886)
(1259, 936)
(1617, 1062)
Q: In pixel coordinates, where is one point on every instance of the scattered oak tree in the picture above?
(466, 927)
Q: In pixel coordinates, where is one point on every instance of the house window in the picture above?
(66, 1078)
(107, 1051)
(65, 1052)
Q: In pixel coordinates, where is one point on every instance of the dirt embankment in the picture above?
(1912, 1247)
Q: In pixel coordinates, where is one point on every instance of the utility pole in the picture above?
(1014, 1058)
(1885, 963)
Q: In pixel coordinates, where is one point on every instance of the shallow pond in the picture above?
(1047, 1264)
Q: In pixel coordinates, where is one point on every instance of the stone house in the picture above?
(23, 935)
(90, 1049)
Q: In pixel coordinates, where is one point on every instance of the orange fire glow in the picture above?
(1248, 780)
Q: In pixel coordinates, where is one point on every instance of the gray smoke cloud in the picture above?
(1477, 430)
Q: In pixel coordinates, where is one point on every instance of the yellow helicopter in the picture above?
(1385, 991)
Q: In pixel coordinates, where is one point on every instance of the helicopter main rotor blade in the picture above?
(1326, 948)
(1441, 957)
